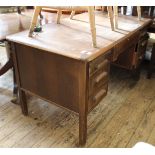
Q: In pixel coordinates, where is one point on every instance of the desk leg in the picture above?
(82, 105)
(15, 87)
(152, 61)
(22, 95)
(82, 127)
(23, 102)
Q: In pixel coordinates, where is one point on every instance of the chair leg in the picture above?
(59, 13)
(103, 8)
(72, 14)
(92, 24)
(139, 12)
(34, 20)
(116, 16)
(110, 12)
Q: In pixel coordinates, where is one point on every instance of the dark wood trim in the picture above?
(83, 106)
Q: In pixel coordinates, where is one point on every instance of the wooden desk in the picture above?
(60, 65)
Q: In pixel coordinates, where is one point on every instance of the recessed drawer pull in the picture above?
(102, 64)
(100, 77)
(99, 94)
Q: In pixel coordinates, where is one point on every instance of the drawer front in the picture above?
(98, 80)
(97, 96)
(125, 44)
(102, 62)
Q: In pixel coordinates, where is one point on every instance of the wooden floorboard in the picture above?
(123, 118)
(145, 126)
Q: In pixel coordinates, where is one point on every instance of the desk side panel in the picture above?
(50, 76)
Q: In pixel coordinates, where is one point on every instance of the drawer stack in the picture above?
(124, 45)
(98, 79)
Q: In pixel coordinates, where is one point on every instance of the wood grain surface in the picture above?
(123, 118)
(72, 38)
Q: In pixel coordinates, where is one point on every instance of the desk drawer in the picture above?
(102, 62)
(125, 44)
(98, 79)
(97, 96)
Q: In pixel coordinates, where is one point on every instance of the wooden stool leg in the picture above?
(34, 20)
(59, 13)
(110, 12)
(92, 24)
(72, 14)
(116, 16)
(103, 8)
(139, 12)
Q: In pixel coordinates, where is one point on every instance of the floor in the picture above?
(123, 118)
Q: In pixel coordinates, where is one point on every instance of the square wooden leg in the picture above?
(82, 104)
(116, 16)
(82, 127)
(59, 13)
(72, 14)
(23, 102)
(92, 24)
(110, 12)
(139, 12)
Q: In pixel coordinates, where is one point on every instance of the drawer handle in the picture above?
(100, 77)
(99, 94)
(102, 64)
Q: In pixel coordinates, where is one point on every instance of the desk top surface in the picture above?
(72, 38)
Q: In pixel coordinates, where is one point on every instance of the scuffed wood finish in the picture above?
(50, 126)
(78, 44)
(73, 8)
